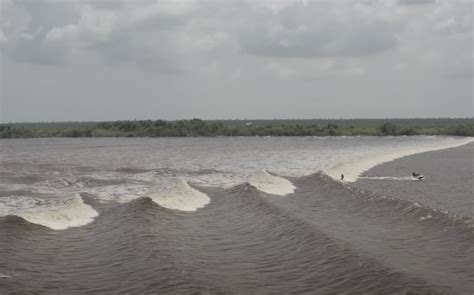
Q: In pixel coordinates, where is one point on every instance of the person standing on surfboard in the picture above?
(417, 175)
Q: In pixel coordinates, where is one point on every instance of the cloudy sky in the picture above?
(67, 60)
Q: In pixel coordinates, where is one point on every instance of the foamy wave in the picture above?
(270, 184)
(75, 213)
(353, 168)
(181, 197)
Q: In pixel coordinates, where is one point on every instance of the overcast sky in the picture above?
(149, 59)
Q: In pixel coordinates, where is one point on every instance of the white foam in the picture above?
(353, 168)
(74, 213)
(270, 184)
(181, 197)
(11, 204)
(5, 276)
(390, 178)
(122, 193)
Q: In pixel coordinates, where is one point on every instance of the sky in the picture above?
(93, 60)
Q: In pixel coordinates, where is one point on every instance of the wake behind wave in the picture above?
(352, 168)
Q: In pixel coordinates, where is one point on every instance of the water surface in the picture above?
(234, 215)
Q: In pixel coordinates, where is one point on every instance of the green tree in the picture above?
(389, 129)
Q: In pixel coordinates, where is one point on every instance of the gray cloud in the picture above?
(26, 24)
(197, 57)
(298, 30)
(415, 2)
(343, 40)
(315, 30)
(31, 49)
(45, 15)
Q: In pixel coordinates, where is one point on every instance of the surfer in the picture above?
(342, 176)
(417, 175)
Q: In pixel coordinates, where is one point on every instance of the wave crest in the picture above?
(353, 168)
(271, 184)
(181, 197)
(74, 213)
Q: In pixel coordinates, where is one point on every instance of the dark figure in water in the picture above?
(342, 176)
(417, 175)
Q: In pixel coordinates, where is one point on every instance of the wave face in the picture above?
(184, 216)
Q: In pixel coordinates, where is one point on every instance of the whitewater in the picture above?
(239, 205)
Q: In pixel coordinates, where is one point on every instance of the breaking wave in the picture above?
(261, 234)
(327, 237)
(181, 196)
(271, 184)
(73, 213)
(353, 168)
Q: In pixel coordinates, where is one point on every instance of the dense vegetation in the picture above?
(197, 127)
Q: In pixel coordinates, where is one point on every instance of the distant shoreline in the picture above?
(213, 128)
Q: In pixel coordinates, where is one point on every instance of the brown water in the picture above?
(327, 237)
(447, 185)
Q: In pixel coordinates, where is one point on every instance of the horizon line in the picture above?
(242, 119)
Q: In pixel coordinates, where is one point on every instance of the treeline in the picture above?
(458, 130)
(197, 127)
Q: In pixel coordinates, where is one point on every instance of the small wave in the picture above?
(181, 197)
(270, 184)
(131, 170)
(206, 171)
(5, 276)
(82, 182)
(64, 182)
(74, 213)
